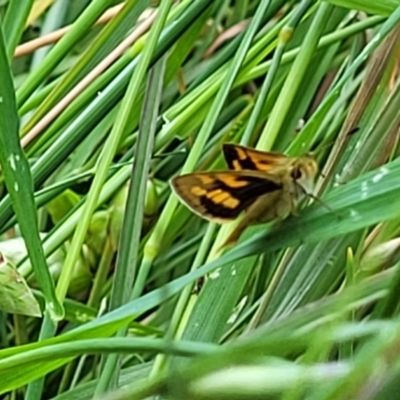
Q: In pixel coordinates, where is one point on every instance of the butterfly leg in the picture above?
(291, 202)
(293, 208)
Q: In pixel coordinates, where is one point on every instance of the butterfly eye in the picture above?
(296, 173)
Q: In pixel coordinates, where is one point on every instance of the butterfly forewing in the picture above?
(241, 158)
(222, 196)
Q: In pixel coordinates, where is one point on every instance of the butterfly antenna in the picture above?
(318, 200)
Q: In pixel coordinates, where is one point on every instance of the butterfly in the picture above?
(263, 186)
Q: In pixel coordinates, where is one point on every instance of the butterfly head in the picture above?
(303, 172)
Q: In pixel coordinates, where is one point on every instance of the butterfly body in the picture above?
(264, 186)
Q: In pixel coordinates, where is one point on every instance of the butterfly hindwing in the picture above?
(222, 196)
(241, 158)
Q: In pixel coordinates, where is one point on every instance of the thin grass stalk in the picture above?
(227, 53)
(94, 301)
(389, 306)
(284, 37)
(184, 306)
(292, 83)
(383, 7)
(53, 19)
(37, 98)
(128, 255)
(34, 389)
(109, 345)
(326, 41)
(362, 159)
(14, 23)
(220, 9)
(346, 350)
(373, 76)
(18, 179)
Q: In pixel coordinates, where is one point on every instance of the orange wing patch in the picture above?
(241, 158)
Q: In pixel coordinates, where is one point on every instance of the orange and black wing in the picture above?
(241, 158)
(222, 196)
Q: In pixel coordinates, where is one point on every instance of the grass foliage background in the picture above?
(102, 289)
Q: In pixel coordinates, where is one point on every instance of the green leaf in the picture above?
(15, 295)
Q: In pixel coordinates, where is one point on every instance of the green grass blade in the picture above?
(126, 268)
(292, 83)
(15, 22)
(383, 7)
(18, 179)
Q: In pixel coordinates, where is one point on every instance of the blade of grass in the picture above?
(53, 20)
(128, 254)
(285, 34)
(184, 306)
(383, 7)
(14, 23)
(64, 351)
(292, 83)
(19, 183)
